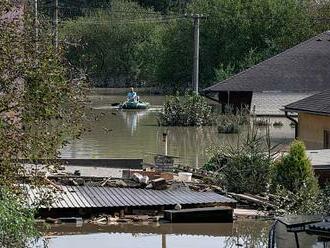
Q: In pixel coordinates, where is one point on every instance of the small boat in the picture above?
(134, 105)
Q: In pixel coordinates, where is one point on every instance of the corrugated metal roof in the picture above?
(98, 197)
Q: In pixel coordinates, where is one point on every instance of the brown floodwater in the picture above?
(238, 234)
(242, 233)
(116, 133)
(135, 134)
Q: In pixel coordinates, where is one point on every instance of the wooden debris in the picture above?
(249, 213)
(252, 199)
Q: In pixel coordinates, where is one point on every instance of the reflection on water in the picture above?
(238, 234)
(242, 233)
(131, 134)
(132, 118)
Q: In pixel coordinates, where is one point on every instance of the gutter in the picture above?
(294, 121)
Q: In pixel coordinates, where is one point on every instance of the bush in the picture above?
(244, 168)
(278, 124)
(261, 122)
(17, 226)
(302, 202)
(295, 186)
(187, 110)
(231, 122)
(294, 171)
(228, 127)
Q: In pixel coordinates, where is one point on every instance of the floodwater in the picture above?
(117, 133)
(242, 233)
(238, 234)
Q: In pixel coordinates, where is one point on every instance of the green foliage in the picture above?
(116, 46)
(228, 127)
(165, 6)
(294, 171)
(123, 44)
(246, 166)
(295, 185)
(278, 124)
(230, 122)
(17, 227)
(234, 36)
(42, 104)
(303, 201)
(187, 110)
(222, 73)
(42, 101)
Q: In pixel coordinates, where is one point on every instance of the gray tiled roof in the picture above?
(318, 104)
(305, 67)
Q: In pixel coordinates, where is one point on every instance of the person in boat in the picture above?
(132, 96)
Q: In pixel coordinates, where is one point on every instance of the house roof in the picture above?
(304, 67)
(318, 104)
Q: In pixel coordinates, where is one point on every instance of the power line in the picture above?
(134, 20)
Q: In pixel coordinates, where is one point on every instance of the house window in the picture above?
(326, 139)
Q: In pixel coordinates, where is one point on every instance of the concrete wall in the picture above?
(311, 129)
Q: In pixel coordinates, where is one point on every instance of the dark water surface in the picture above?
(135, 134)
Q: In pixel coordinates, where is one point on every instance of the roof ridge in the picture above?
(270, 58)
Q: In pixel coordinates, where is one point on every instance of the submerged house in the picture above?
(313, 126)
(296, 73)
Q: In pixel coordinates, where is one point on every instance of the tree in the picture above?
(124, 42)
(294, 171)
(42, 103)
(118, 45)
(234, 36)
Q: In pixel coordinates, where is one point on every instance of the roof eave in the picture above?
(295, 110)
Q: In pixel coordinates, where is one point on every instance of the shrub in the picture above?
(294, 171)
(244, 168)
(228, 127)
(295, 186)
(302, 202)
(261, 122)
(17, 226)
(278, 124)
(231, 123)
(187, 110)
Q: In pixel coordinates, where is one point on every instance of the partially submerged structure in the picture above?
(313, 125)
(289, 76)
(87, 200)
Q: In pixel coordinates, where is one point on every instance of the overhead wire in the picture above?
(120, 21)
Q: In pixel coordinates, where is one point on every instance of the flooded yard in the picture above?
(131, 134)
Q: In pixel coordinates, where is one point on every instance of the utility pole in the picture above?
(196, 18)
(55, 23)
